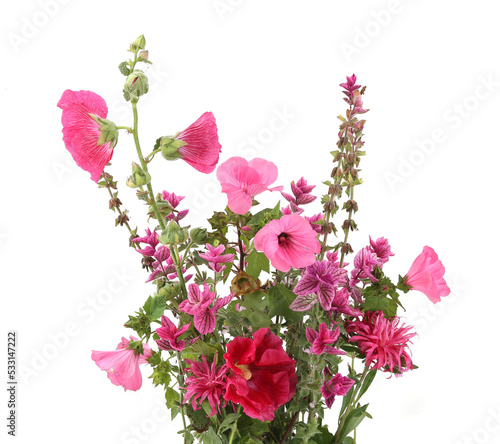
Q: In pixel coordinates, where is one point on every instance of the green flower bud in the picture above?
(135, 86)
(173, 234)
(109, 133)
(138, 177)
(137, 346)
(139, 43)
(170, 146)
(199, 235)
(170, 290)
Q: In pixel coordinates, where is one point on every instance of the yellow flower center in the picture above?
(247, 374)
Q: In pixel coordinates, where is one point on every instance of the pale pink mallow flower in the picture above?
(169, 335)
(337, 385)
(321, 339)
(383, 341)
(122, 364)
(81, 132)
(288, 242)
(206, 381)
(426, 275)
(215, 257)
(242, 180)
(202, 144)
(198, 305)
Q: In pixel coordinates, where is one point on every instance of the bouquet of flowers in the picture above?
(257, 325)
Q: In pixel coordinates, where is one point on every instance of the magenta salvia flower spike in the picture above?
(256, 325)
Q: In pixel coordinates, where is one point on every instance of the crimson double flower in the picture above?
(263, 376)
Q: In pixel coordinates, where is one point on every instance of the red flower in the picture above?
(82, 133)
(202, 144)
(263, 376)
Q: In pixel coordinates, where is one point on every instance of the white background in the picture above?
(425, 64)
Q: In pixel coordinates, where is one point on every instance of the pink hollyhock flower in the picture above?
(241, 180)
(206, 381)
(365, 262)
(321, 339)
(338, 385)
(198, 305)
(122, 364)
(263, 375)
(382, 341)
(382, 249)
(215, 257)
(81, 132)
(174, 201)
(426, 275)
(320, 279)
(169, 335)
(202, 147)
(288, 242)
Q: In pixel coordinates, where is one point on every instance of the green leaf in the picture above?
(257, 262)
(280, 299)
(155, 306)
(198, 418)
(379, 303)
(124, 68)
(171, 397)
(228, 422)
(353, 420)
(210, 437)
(367, 382)
(256, 303)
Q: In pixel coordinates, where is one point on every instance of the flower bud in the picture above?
(170, 148)
(144, 55)
(170, 290)
(243, 284)
(138, 177)
(135, 86)
(198, 235)
(109, 133)
(139, 43)
(173, 234)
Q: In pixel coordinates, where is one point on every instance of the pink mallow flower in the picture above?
(82, 133)
(174, 201)
(383, 342)
(365, 262)
(288, 242)
(242, 180)
(382, 249)
(122, 364)
(151, 239)
(318, 284)
(169, 335)
(215, 257)
(426, 275)
(198, 305)
(338, 385)
(206, 381)
(321, 339)
(202, 147)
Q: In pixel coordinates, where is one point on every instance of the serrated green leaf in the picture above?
(280, 299)
(155, 306)
(171, 397)
(256, 304)
(124, 68)
(257, 262)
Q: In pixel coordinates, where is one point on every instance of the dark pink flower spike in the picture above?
(337, 386)
(426, 275)
(81, 132)
(169, 335)
(321, 339)
(382, 249)
(202, 144)
(215, 257)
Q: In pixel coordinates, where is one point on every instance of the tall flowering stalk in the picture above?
(254, 327)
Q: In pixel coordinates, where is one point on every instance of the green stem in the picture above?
(234, 427)
(351, 194)
(180, 379)
(352, 403)
(174, 252)
(145, 168)
(130, 130)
